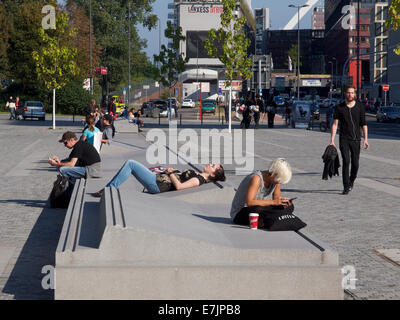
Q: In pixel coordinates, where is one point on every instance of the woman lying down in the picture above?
(168, 180)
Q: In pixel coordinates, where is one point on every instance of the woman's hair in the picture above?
(219, 174)
(281, 169)
(90, 123)
(131, 110)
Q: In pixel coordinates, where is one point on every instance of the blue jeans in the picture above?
(73, 173)
(141, 173)
(12, 114)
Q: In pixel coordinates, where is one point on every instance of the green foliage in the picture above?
(71, 97)
(55, 60)
(171, 63)
(394, 19)
(111, 25)
(235, 44)
(4, 37)
(292, 53)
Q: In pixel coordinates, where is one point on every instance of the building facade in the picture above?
(261, 16)
(197, 18)
(317, 18)
(341, 40)
(379, 49)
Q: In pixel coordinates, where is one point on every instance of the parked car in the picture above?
(388, 114)
(188, 103)
(209, 106)
(155, 108)
(34, 109)
(279, 101)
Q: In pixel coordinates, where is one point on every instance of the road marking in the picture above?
(379, 186)
(380, 159)
(31, 146)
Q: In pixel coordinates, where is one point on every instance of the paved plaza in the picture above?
(356, 225)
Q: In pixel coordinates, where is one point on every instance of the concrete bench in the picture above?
(124, 126)
(181, 245)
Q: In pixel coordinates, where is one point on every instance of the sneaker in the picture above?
(98, 194)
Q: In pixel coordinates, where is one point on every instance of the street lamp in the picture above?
(331, 75)
(298, 45)
(333, 58)
(90, 46)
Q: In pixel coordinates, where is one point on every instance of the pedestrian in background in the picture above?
(11, 105)
(350, 114)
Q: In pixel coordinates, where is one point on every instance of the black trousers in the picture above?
(242, 217)
(350, 150)
(271, 118)
(256, 118)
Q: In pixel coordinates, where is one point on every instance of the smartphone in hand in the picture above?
(293, 199)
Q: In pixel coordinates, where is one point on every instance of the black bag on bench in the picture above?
(61, 192)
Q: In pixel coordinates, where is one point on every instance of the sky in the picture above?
(280, 14)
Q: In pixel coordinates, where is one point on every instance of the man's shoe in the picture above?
(351, 186)
(98, 194)
(346, 191)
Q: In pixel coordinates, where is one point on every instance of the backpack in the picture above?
(61, 192)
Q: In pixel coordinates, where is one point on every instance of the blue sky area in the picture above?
(279, 11)
(280, 14)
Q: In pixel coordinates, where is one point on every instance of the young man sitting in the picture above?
(84, 160)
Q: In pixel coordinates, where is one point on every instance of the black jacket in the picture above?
(331, 162)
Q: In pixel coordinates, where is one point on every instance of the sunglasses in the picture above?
(65, 143)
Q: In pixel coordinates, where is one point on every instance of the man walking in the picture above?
(11, 105)
(351, 116)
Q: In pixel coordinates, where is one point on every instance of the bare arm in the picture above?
(365, 131)
(56, 162)
(252, 194)
(333, 131)
(191, 183)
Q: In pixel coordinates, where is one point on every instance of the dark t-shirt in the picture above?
(86, 154)
(164, 184)
(350, 119)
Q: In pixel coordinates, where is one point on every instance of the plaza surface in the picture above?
(356, 225)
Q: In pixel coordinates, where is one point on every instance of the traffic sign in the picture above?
(385, 87)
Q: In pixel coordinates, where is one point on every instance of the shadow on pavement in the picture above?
(25, 281)
(336, 191)
(27, 203)
(215, 219)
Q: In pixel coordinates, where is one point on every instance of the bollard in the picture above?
(159, 119)
(180, 119)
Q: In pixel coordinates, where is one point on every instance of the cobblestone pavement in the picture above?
(355, 225)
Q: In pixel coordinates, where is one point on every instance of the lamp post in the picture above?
(90, 46)
(333, 58)
(298, 45)
(331, 75)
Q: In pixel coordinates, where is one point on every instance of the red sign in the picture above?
(385, 87)
(102, 70)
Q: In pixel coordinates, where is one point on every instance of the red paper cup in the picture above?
(253, 221)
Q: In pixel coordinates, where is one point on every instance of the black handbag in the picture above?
(61, 192)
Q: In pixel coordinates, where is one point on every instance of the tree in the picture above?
(5, 26)
(394, 19)
(171, 63)
(235, 45)
(110, 25)
(25, 19)
(55, 60)
(292, 53)
(80, 21)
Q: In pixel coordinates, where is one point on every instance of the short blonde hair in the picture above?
(281, 169)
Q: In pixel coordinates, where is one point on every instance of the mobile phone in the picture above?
(293, 199)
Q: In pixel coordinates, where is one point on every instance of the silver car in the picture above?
(34, 109)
